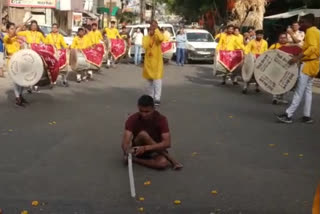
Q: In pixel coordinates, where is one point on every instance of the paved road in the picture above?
(74, 166)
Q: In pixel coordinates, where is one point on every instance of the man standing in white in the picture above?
(309, 69)
(295, 36)
(137, 39)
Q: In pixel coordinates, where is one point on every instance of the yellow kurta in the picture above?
(311, 52)
(276, 46)
(256, 47)
(11, 44)
(112, 33)
(81, 43)
(153, 62)
(95, 37)
(167, 36)
(56, 40)
(229, 43)
(32, 37)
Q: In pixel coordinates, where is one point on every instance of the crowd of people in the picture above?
(19, 37)
(253, 42)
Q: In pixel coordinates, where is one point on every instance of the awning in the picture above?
(91, 15)
(114, 10)
(298, 13)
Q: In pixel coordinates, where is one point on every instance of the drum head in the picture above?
(248, 68)
(73, 59)
(26, 68)
(273, 72)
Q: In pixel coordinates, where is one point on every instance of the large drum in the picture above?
(78, 62)
(63, 56)
(248, 67)
(228, 61)
(273, 72)
(47, 53)
(117, 48)
(26, 68)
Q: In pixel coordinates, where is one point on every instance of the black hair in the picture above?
(33, 22)
(9, 24)
(113, 22)
(236, 28)
(55, 24)
(146, 101)
(251, 28)
(94, 24)
(229, 26)
(259, 32)
(123, 27)
(282, 33)
(80, 29)
(309, 18)
(295, 22)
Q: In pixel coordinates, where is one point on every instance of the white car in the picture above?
(144, 28)
(46, 29)
(200, 45)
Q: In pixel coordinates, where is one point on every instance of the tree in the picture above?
(249, 12)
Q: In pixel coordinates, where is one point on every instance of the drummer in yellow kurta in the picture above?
(230, 42)
(81, 41)
(55, 38)
(153, 62)
(111, 33)
(283, 41)
(33, 36)
(257, 46)
(95, 35)
(12, 45)
(239, 43)
(308, 70)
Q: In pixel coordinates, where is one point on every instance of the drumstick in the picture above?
(130, 168)
(131, 178)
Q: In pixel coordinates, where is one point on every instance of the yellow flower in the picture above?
(286, 154)
(24, 212)
(177, 202)
(147, 183)
(141, 198)
(35, 203)
(214, 192)
(141, 209)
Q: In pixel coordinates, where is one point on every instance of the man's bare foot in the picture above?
(177, 166)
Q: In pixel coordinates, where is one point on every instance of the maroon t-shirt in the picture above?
(155, 127)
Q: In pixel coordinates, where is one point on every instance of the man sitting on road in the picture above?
(148, 132)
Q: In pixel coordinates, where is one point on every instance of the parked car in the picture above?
(200, 45)
(46, 29)
(144, 28)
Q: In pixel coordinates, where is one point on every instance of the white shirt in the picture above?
(299, 35)
(137, 38)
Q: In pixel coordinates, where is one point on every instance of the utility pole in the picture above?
(142, 11)
(110, 10)
(153, 12)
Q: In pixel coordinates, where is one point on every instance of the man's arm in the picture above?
(163, 145)
(294, 38)
(127, 137)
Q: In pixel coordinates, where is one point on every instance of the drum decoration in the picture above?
(118, 48)
(273, 72)
(26, 68)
